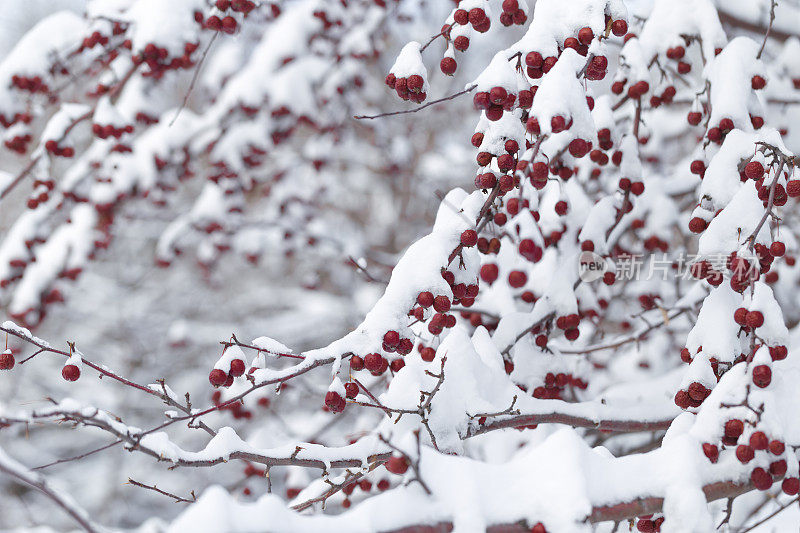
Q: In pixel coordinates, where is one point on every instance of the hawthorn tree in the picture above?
(595, 332)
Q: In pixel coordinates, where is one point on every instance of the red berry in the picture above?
(759, 441)
(489, 273)
(761, 478)
(397, 364)
(694, 118)
(757, 82)
(744, 453)
(734, 428)
(517, 278)
(619, 27)
(777, 249)
(740, 316)
(425, 299)
(237, 368)
(585, 35)
(228, 25)
(373, 362)
(217, 377)
(498, 95)
(7, 360)
(356, 363)
(469, 237)
(697, 167)
(461, 43)
(791, 486)
(778, 468)
(754, 170)
(754, 319)
(711, 451)
(697, 391)
(441, 304)
(697, 225)
(578, 148)
(397, 465)
(776, 447)
(335, 402)
(391, 339)
(778, 353)
(351, 389)
(448, 66)
(414, 83)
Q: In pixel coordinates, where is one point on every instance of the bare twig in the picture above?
(9, 467)
(420, 108)
(177, 498)
(772, 6)
(194, 78)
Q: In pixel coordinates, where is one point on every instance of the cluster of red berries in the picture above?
(239, 6)
(649, 524)
(159, 62)
(746, 451)
(40, 194)
(327, 23)
(635, 91)
(695, 393)
(227, 24)
(512, 14)
(538, 65)
(220, 378)
(718, 133)
(475, 16)
(33, 84)
(53, 147)
(109, 130)
(365, 485)
(19, 143)
(555, 384)
(569, 324)
(678, 54)
(409, 88)
(25, 118)
(94, 39)
(499, 99)
(665, 97)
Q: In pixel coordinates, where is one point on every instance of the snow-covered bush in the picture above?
(596, 332)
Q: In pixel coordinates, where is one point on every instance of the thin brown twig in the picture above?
(154, 488)
(39, 482)
(194, 78)
(772, 6)
(771, 515)
(420, 108)
(80, 456)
